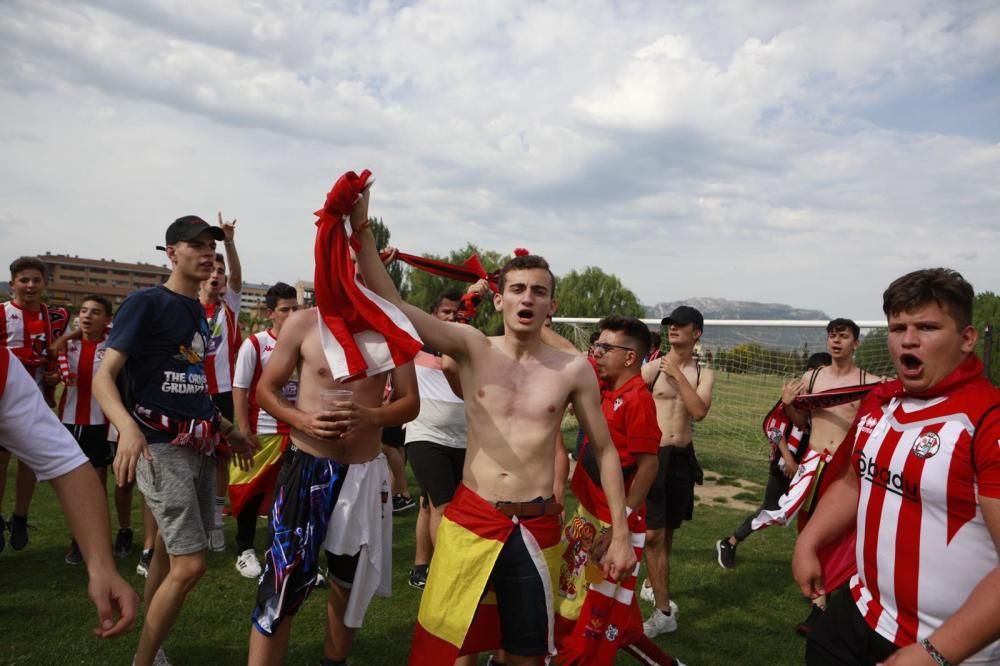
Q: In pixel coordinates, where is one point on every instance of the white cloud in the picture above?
(712, 149)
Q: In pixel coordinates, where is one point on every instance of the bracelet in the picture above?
(229, 243)
(932, 651)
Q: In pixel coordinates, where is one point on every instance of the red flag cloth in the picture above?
(471, 269)
(362, 333)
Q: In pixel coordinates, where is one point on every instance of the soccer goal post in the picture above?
(751, 359)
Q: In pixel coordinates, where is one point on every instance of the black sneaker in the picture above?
(18, 527)
(726, 552)
(3, 526)
(805, 627)
(123, 542)
(418, 577)
(145, 559)
(402, 503)
(73, 555)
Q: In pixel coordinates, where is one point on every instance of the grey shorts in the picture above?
(179, 487)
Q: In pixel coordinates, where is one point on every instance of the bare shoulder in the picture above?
(300, 320)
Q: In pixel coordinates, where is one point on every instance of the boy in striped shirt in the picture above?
(918, 481)
(79, 353)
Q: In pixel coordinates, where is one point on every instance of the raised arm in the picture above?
(232, 256)
(586, 401)
(445, 337)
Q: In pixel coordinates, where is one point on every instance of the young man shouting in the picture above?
(502, 526)
(918, 479)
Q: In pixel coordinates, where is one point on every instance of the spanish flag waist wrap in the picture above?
(458, 614)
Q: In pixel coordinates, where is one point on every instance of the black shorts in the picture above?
(224, 401)
(393, 436)
(671, 497)
(521, 600)
(438, 469)
(93, 441)
(841, 636)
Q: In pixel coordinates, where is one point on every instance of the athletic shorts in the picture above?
(438, 469)
(841, 636)
(179, 487)
(306, 493)
(671, 497)
(521, 600)
(393, 436)
(93, 441)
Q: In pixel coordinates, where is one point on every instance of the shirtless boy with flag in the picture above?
(502, 525)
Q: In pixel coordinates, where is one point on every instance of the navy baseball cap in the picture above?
(187, 228)
(684, 315)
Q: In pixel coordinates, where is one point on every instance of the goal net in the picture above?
(751, 360)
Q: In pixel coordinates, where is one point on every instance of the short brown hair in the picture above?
(27, 264)
(944, 286)
(523, 263)
(631, 328)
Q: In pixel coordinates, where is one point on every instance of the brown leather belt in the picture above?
(532, 509)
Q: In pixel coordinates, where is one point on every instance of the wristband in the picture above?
(229, 243)
(932, 651)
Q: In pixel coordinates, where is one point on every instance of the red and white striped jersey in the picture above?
(254, 354)
(27, 334)
(78, 364)
(223, 342)
(922, 543)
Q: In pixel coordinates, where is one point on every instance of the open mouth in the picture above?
(911, 364)
(525, 315)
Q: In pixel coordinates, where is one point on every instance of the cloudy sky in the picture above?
(796, 152)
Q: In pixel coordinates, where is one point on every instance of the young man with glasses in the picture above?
(682, 392)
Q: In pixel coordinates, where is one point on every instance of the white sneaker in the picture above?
(247, 564)
(216, 540)
(658, 623)
(161, 658)
(646, 594)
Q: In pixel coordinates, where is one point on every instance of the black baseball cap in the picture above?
(684, 315)
(187, 228)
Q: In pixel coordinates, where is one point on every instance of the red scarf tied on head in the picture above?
(362, 333)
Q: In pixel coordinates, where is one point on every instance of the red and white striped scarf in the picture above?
(362, 333)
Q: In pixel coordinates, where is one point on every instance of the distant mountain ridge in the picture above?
(722, 308)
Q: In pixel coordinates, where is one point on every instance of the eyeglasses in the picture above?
(601, 348)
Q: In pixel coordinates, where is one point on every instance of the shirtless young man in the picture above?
(827, 426)
(683, 393)
(334, 476)
(516, 389)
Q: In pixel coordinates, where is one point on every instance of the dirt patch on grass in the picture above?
(722, 491)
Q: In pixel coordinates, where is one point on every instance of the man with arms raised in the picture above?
(920, 484)
(682, 392)
(503, 524)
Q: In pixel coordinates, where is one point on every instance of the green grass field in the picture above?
(743, 616)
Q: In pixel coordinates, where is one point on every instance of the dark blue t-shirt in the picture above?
(165, 336)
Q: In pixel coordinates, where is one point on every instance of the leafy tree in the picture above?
(397, 270)
(594, 293)
(986, 310)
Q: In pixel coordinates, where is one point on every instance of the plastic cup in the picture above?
(330, 397)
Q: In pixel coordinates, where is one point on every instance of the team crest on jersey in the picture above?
(926, 445)
(611, 633)
(618, 403)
